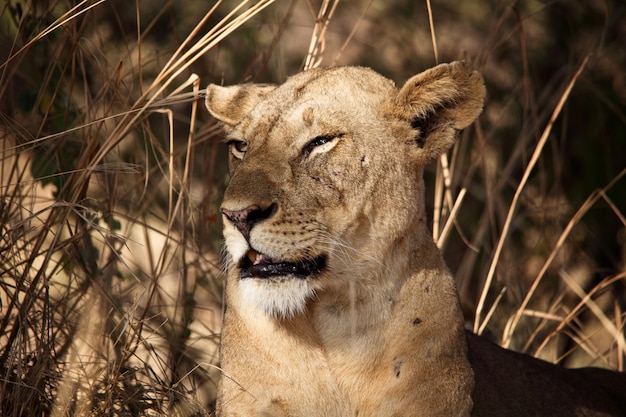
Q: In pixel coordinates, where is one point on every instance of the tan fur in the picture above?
(328, 167)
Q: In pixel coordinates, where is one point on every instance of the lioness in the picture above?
(338, 301)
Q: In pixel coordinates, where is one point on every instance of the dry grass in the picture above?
(111, 175)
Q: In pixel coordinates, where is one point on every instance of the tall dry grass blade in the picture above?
(317, 45)
(438, 198)
(451, 219)
(178, 186)
(543, 315)
(513, 206)
(493, 308)
(431, 25)
(618, 213)
(443, 194)
(620, 324)
(443, 178)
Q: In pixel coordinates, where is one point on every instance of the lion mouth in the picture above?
(258, 265)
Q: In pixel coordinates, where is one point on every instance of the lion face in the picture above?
(326, 175)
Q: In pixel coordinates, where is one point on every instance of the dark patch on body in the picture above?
(397, 366)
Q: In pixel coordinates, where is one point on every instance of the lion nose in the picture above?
(244, 220)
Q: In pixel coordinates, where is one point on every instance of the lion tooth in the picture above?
(260, 257)
(256, 257)
(253, 256)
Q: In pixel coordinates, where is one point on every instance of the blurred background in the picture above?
(111, 175)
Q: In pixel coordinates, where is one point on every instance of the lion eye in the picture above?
(320, 144)
(238, 148)
(320, 140)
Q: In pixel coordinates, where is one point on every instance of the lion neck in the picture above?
(365, 298)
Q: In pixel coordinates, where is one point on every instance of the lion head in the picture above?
(326, 174)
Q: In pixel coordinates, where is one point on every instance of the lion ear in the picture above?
(231, 104)
(439, 102)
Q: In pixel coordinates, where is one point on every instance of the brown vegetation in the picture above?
(111, 176)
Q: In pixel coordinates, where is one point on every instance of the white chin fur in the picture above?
(236, 245)
(277, 298)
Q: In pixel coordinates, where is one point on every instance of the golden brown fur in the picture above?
(338, 302)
